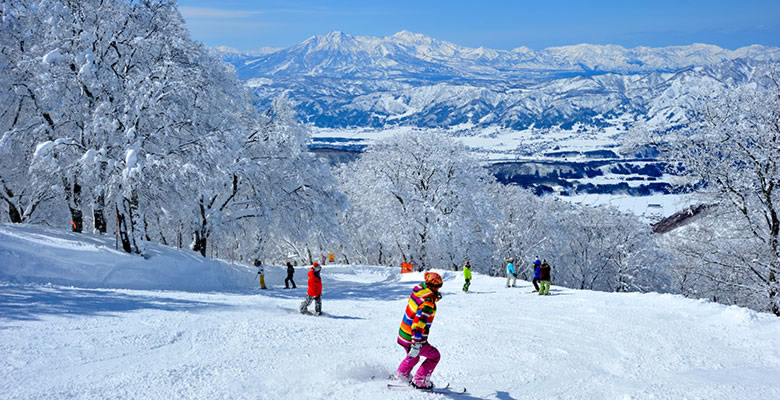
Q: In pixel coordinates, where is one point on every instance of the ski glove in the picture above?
(414, 351)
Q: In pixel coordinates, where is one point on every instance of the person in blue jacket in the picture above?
(537, 271)
(511, 274)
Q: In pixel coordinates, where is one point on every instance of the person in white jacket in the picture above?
(260, 273)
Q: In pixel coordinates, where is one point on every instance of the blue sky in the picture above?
(497, 24)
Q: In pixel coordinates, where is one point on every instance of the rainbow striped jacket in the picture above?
(418, 316)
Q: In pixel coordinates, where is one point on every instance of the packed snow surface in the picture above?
(79, 319)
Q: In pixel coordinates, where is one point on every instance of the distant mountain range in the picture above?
(341, 81)
(350, 83)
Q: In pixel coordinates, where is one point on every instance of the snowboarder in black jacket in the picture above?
(289, 279)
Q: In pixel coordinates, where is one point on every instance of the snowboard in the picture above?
(443, 390)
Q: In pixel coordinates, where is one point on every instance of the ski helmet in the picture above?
(433, 280)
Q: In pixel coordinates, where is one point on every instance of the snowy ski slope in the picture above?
(79, 320)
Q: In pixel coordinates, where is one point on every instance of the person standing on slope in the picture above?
(413, 334)
(289, 279)
(260, 273)
(511, 274)
(544, 277)
(314, 292)
(467, 276)
(537, 268)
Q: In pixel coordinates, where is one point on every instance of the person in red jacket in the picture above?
(314, 292)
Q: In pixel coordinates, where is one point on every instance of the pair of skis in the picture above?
(445, 389)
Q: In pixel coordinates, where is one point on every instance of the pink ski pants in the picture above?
(425, 371)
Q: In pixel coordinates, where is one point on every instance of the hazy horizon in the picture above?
(501, 25)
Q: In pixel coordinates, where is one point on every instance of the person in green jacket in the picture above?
(545, 278)
(467, 276)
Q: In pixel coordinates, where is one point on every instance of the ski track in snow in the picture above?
(62, 342)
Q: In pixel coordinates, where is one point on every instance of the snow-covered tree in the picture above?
(588, 247)
(418, 198)
(25, 121)
(521, 229)
(111, 106)
(123, 92)
(731, 150)
(272, 187)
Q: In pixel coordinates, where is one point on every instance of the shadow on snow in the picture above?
(32, 303)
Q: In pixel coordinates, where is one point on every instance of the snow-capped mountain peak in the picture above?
(333, 41)
(411, 54)
(407, 36)
(379, 81)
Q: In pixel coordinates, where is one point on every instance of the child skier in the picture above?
(289, 279)
(314, 292)
(467, 276)
(537, 268)
(413, 334)
(511, 274)
(544, 277)
(260, 273)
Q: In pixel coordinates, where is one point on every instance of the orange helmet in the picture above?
(433, 280)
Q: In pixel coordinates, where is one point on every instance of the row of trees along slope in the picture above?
(109, 106)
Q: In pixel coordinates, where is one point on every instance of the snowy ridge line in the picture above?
(406, 52)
